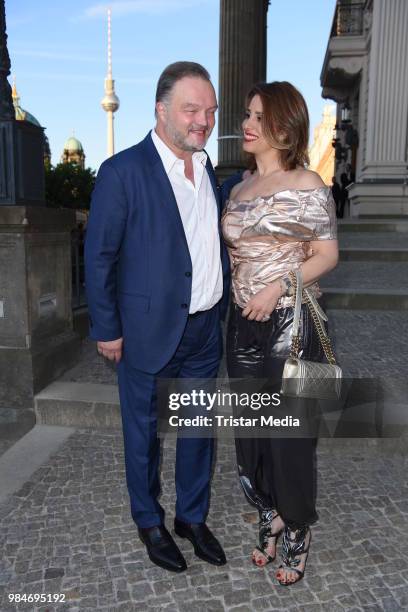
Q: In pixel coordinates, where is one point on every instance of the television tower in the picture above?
(110, 102)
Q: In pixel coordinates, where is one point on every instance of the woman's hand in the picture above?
(260, 306)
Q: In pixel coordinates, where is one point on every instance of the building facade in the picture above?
(321, 153)
(365, 71)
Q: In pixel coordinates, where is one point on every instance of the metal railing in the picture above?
(348, 19)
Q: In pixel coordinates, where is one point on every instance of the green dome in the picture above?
(29, 117)
(20, 113)
(73, 144)
(23, 115)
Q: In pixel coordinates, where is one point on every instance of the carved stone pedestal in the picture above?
(37, 341)
(21, 164)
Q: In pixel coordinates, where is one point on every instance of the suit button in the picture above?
(184, 305)
(188, 274)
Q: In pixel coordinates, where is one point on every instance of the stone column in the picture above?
(382, 186)
(386, 150)
(242, 63)
(37, 341)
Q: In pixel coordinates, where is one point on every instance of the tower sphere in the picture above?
(110, 102)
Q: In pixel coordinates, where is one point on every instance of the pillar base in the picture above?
(37, 340)
(24, 372)
(378, 198)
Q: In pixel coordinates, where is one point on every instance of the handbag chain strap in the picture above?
(325, 341)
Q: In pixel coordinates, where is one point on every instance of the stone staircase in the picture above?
(373, 269)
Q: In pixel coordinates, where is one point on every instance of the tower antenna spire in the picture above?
(110, 102)
(109, 44)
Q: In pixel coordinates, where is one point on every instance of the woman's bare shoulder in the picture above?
(308, 179)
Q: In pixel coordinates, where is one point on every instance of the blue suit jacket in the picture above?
(137, 263)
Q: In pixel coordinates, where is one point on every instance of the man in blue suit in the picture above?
(157, 286)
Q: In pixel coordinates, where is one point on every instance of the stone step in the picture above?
(367, 299)
(78, 405)
(367, 281)
(372, 225)
(378, 240)
(361, 275)
(373, 254)
(367, 285)
(386, 217)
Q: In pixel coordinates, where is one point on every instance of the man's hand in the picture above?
(112, 349)
(260, 306)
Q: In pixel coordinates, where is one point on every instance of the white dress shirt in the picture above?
(199, 215)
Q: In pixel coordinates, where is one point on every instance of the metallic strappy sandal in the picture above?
(265, 533)
(292, 549)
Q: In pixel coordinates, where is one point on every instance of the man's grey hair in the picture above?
(175, 72)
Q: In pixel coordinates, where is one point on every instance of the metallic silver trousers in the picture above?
(275, 472)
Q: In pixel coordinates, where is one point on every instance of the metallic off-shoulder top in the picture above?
(270, 235)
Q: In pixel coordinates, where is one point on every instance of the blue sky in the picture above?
(58, 55)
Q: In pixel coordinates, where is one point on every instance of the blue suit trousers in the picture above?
(197, 356)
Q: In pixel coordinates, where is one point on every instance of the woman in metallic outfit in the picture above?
(280, 218)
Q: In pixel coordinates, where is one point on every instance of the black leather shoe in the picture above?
(206, 546)
(162, 549)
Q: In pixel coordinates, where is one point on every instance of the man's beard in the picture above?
(180, 140)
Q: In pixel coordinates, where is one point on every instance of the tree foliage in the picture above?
(69, 186)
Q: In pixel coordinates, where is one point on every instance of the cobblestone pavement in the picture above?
(69, 531)
(370, 342)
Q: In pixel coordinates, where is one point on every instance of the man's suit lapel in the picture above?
(161, 184)
(213, 180)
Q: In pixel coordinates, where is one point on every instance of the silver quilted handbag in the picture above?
(310, 379)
